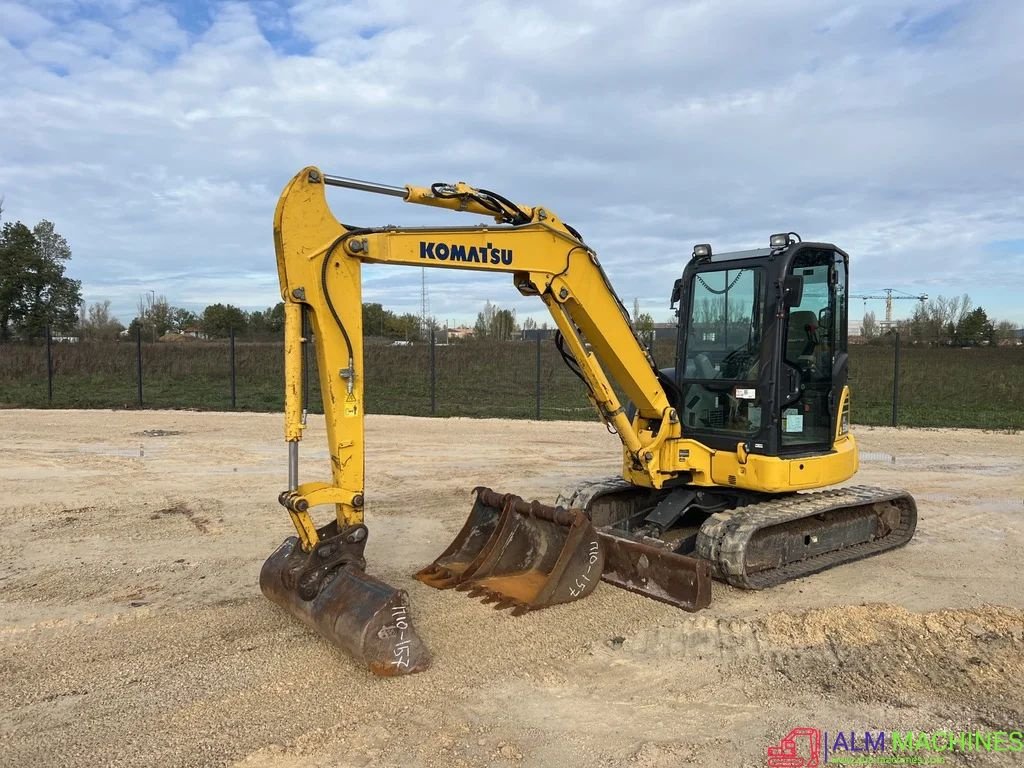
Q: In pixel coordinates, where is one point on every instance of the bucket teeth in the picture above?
(520, 555)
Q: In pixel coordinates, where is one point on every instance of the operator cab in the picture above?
(762, 346)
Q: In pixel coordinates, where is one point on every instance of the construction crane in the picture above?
(889, 323)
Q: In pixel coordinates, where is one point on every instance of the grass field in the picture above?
(939, 387)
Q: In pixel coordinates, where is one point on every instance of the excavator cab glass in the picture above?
(744, 316)
(814, 340)
(723, 352)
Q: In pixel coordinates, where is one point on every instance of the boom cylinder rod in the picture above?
(365, 186)
(293, 465)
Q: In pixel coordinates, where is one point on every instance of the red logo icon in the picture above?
(800, 748)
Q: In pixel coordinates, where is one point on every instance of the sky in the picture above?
(158, 136)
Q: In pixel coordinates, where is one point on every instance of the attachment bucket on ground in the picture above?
(351, 609)
(520, 555)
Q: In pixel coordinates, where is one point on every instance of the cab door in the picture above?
(814, 339)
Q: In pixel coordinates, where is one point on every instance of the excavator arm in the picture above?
(319, 262)
(515, 553)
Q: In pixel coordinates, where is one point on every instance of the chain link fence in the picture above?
(893, 384)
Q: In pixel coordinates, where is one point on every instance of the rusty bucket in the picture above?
(520, 555)
(351, 609)
(472, 544)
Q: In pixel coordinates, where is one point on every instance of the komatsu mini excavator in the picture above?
(722, 453)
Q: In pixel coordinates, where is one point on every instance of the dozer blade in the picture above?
(525, 557)
(363, 615)
(655, 571)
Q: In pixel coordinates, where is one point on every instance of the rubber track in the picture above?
(724, 537)
(580, 496)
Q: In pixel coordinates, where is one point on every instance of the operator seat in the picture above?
(801, 335)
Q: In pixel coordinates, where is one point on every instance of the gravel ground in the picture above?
(132, 630)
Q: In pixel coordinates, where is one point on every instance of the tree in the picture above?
(16, 245)
(97, 323)
(220, 319)
(504, 326)
(375, 319)
(484, 321)
(378, 321)
(869, 326)
(937, 321)
(34, 291)
(495, 323)
(269, 322)
(183, 318)
(1005, 332)
(975, 328)
(644, 326)
(407, 326)
(275, 317)
(156, 316)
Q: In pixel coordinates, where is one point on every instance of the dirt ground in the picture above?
(133, 632)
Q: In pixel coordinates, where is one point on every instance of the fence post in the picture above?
(138, 360)
(896, 381)
(231, 345)
(433, 375)
(49, 364)
(538, 374)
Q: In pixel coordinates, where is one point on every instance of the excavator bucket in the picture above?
(348, 607)
(520, 555)
(472, 544)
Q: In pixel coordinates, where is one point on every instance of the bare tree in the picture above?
(869, 326)
(155, 314)
(96, 322)
(1005, 332)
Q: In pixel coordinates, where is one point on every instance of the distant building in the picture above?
(665, 331)
(532, 334)
(447, 335)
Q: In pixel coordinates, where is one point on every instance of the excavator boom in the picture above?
(512, 553)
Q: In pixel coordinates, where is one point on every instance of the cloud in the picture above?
(158, 137)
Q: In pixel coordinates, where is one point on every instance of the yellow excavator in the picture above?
(723, 454)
